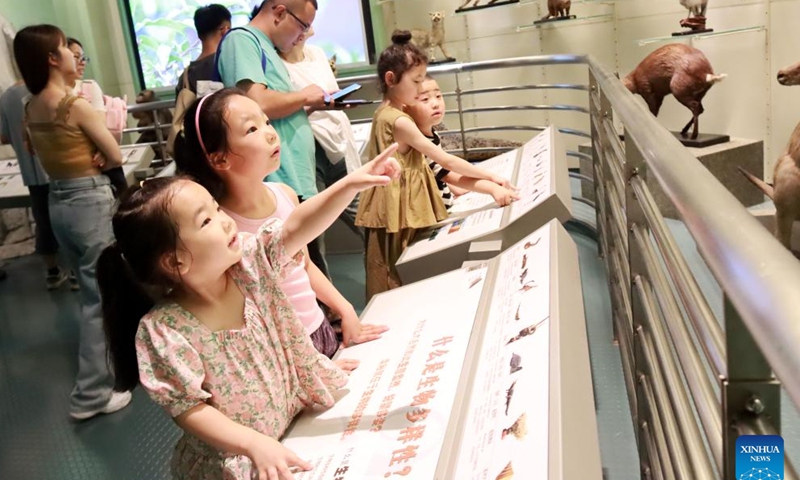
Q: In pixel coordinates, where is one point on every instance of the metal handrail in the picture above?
(708, 405)
(510, 88)
(706, 326)
(757, 272)
(455, 68)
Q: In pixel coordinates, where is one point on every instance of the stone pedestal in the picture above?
(721, 160)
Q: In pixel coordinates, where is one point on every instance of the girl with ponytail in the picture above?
(194, 311)
(392, 214)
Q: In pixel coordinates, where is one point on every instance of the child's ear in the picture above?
(175, 264)
(218, 161)
(390, 79)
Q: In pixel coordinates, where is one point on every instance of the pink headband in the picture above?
(197, 124)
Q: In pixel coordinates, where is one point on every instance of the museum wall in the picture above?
(98, 26)
(749, 103)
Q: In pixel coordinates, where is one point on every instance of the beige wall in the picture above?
(96, 23)
(749, 103)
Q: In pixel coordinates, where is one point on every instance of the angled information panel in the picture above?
(538, 169)
(484, 374)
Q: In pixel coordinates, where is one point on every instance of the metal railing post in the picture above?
(750, 389)
(160, 138)
(461, 118)
(594, 112)
(634, 165)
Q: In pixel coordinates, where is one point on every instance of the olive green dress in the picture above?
(392, 214)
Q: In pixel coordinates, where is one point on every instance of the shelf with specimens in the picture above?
(699, 36)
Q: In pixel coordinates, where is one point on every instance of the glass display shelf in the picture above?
(556, 23)
(699, 36)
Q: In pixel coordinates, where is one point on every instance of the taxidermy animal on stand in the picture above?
(785, 191)
(474, 4)
(676, 69)
(696, 20)
(695, 7)
(427, 41)
(557, 9)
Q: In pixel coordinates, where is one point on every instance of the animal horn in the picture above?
(712, 79)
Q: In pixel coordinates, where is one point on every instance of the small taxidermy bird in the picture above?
(695, 7)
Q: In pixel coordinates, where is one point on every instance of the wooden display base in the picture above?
(692, 32)
(481, 7)
(703, 140)
(439, 62)
(554, 19)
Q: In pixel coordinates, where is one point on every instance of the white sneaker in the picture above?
(118, 401)
(56, 280)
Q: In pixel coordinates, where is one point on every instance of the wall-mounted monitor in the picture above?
(165, 41)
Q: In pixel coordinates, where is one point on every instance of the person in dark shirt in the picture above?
(212, 22)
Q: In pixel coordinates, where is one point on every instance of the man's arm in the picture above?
(279, 104)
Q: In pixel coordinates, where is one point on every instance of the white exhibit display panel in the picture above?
(14, 194)
(484, 374)
(361, 132)
(503, 165)
(538, 169)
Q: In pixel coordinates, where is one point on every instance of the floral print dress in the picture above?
(259, 376)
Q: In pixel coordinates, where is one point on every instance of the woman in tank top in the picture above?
(67, 134)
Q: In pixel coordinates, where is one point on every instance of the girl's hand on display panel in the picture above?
(504, 196)
(503, 182)
(272, 460)
(355, 333)
(347, 364)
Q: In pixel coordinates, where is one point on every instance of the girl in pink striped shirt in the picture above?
(224, 150)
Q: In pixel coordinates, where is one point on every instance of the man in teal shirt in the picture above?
(278, 26)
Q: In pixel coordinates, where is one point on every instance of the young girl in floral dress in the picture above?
(194, 311)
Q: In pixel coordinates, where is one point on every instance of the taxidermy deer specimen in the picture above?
(676, 69)
(427, 41)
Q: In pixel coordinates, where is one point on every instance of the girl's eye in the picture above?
(206, 222)
(269, 122)
(252, 130)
